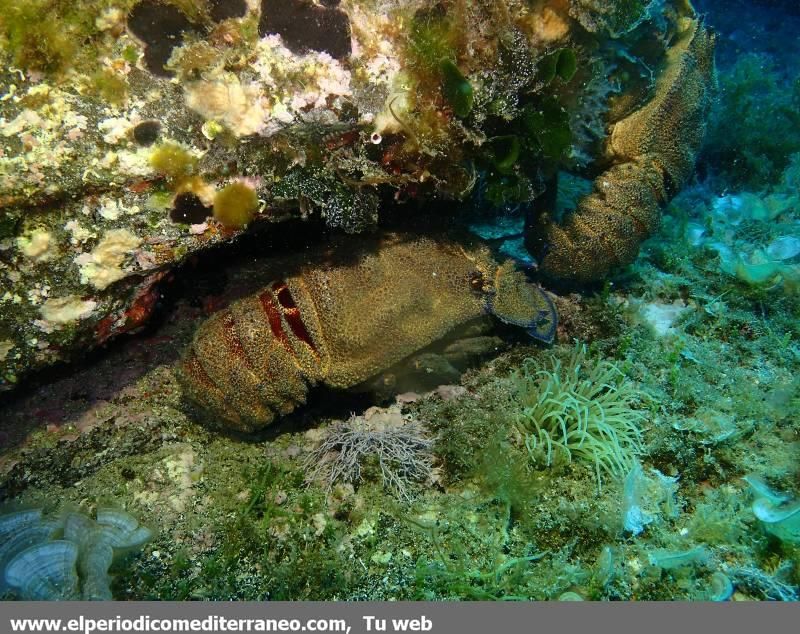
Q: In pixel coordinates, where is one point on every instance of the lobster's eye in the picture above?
(476, 281)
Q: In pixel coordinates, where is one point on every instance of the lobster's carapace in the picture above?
(341, 324)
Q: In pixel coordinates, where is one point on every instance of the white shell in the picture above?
(45, 572)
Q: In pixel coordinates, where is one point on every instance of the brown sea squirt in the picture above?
(303, 25)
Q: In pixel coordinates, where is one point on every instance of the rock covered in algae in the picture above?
(123, 121)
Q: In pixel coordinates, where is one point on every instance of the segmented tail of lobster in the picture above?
(252, 362)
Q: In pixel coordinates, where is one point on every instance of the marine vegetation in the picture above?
(583, 410)
(65, 557)
(340, 324)
(762, 94)
(382, 440)
(235, 205)
(753, 236)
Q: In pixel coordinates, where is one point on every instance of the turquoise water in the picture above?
(371, 313)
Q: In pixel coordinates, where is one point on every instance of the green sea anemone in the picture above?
(579, 411)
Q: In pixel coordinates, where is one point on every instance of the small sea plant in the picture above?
(581, 410)
(398, 448)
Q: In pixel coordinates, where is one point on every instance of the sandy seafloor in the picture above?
(713, 359)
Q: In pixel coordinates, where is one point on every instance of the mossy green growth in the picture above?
(548, 125)
(35, 38)
(508, 189)
(172, 160)
(51, 36)
(453, 573)
(130, 54)
(456, 88)
(562, 63)
(235, 205)
(432, 37)
(111, 87)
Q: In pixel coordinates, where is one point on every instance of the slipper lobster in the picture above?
(339, 324)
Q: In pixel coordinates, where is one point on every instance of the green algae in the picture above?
(173, 161)
(548, 124)
(235, 205)
(110, 87)
(456, 88)
(562, 63)
(53, 36)
(433, 37)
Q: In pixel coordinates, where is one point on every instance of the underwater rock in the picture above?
(329, 112)
(162, 28)
(616, 18)
(339, 324)
(64, 558)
